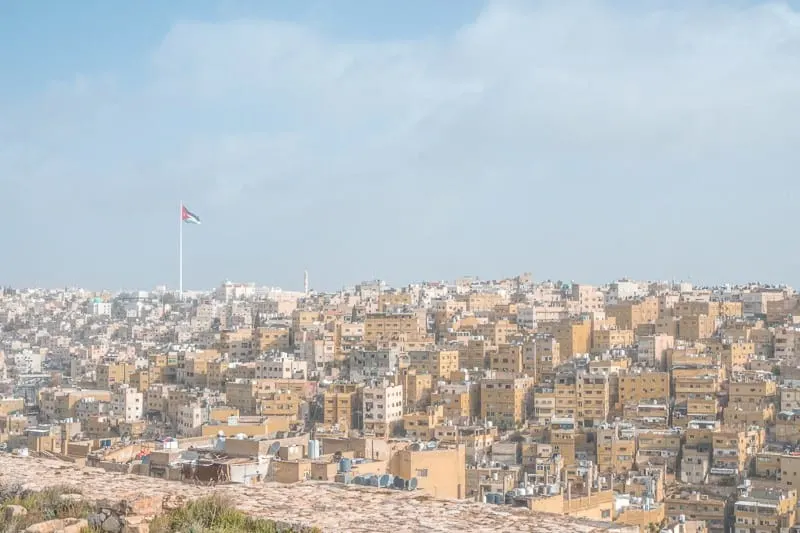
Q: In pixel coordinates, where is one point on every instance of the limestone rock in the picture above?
(14, 511)
(66, 525)
(112, 525)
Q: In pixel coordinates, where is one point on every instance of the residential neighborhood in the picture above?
(659, 406)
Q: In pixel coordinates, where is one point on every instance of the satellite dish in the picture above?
(274, 447)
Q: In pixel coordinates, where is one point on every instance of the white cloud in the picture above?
(556, 136)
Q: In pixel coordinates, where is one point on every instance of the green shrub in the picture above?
(215, 514)
(43, 505)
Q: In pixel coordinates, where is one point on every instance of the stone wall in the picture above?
(331, 507)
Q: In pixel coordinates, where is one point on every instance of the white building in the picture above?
(190, 420)
(623, 290)
(100, 308)
(127, 403)
(383, 408)
(28, 362)
(281, 367)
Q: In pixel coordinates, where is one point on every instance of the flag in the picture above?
(189, 217)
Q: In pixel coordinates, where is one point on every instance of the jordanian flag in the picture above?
(189, 217)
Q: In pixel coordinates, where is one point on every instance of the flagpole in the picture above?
(180, 252)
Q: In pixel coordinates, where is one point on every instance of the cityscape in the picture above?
(631, 406)
(360, 266)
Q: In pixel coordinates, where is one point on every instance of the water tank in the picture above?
(412, 484)
(385, 481)
(313, 449)
(220, 444)
(399, 483)
(346, 464)
(375, 481)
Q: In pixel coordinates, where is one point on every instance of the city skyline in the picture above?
(576, 140)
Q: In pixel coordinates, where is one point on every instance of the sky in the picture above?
(363, 139)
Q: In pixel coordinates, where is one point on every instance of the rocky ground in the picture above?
(331, 507)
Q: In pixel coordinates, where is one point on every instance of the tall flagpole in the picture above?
(180, 252)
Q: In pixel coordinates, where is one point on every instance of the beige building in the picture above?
(341, 403)
(643, 386)
(765, 510)
(630, 314)
(607, 339)
(440, 472)
(573, 337)
(505, 400)
(436, 362)
(393, 326)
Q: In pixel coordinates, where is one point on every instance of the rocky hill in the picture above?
(136, 500)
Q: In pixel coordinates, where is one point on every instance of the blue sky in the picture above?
(401, 140)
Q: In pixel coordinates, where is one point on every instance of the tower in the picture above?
(305, 282)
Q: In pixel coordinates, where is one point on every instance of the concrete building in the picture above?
(382, 408)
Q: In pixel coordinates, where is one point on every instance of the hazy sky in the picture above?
(401, 140)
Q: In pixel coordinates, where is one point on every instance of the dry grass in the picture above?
(42, 505)
(215, 514)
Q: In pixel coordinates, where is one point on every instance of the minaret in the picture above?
(305, 282)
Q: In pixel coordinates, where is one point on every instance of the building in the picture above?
(764, 510)
(505, 400)
(382, 409)
(127, 403)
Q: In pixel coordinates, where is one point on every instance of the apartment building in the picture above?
(382, 409)
(616, 448)
(127, 403)
(417, 388)
(342, 405)
(281, 366)
(713, 510)
(765, 510)
(475, 353)
(630, 314)
(110, 374)
(573, 336)
(609, 338)
(639, 386)
(651, 350)
(505, 400)
(393, 326)
(439, 363)
(509, 358)
(457, 400)
(497, 332)
(271, 339)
